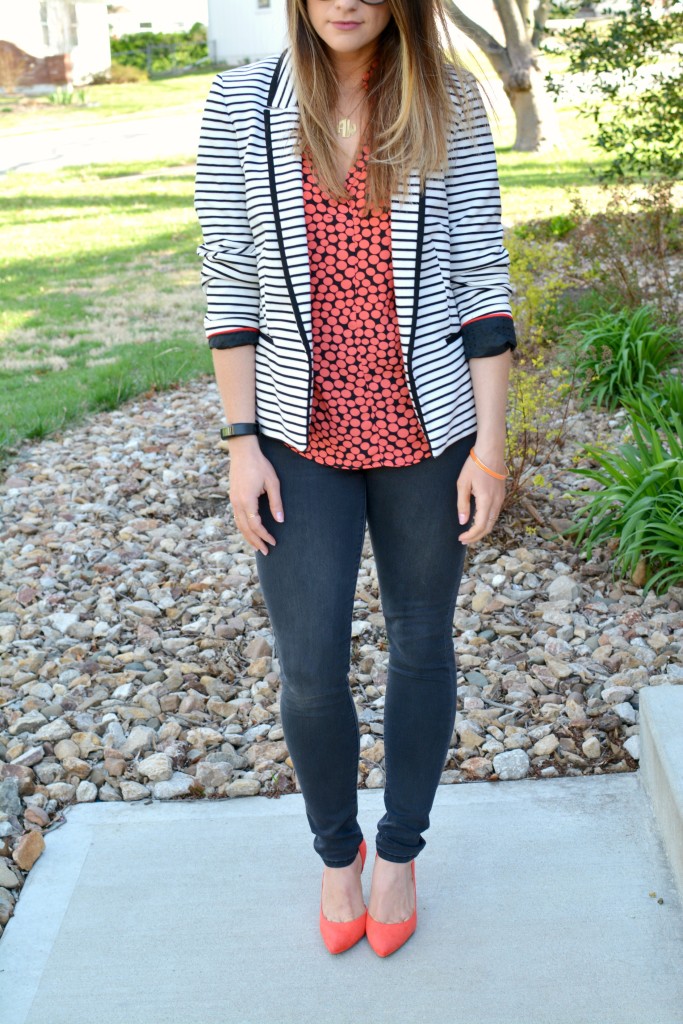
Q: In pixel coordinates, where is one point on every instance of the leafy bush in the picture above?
(617, 353)
(641, 497)
(634, 100)
(157, 52)
(629, 253)
(539, 270)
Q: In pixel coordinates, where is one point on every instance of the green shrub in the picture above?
(632, 86)
(159, 52)
(539, 270)
(641, 497)
(618, 353)
(629, 252)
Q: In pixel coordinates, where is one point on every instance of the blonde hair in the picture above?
(410, 89)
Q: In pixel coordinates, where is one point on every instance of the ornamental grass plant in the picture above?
(641, 495)
(618, 353)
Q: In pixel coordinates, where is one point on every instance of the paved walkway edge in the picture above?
(661, 764)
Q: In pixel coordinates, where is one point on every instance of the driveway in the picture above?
(116, 140)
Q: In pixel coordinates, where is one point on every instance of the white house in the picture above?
(44, 30)
(242, 31)
(132, 16)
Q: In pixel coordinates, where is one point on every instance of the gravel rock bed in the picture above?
(136, 657)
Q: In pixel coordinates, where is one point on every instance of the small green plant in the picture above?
(64, 97)
(672, 395)
(538, 268)
(539, 403)
(61, 97)
(618, 353)
(546, 229)
(641, 497)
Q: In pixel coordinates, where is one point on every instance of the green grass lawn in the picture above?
(27, 114)
(99, 281)
(536, 184)
(99, 293)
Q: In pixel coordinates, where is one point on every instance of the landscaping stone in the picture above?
(138, 662)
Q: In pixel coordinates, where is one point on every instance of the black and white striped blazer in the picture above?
(451, 270)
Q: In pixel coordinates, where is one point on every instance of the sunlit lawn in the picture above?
(99, 293)
(537, 184)
(103, 101)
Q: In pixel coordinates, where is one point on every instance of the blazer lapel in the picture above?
(286, 191)
(407, 238)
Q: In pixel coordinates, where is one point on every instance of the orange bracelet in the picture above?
(498, 476)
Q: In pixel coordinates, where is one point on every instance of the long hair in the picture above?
(411, 108)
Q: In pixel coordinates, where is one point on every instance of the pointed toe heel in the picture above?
(387, 938)
(339, 936)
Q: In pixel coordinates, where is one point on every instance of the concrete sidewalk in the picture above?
(534, 907)
(158, 136)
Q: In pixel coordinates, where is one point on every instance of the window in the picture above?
(262, 4)
(45, 24)
(73, 27)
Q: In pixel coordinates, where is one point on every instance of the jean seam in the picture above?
(352, 708)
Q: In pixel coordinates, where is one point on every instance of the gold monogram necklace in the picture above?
(345, 126)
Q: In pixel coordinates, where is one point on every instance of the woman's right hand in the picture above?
(251, 474)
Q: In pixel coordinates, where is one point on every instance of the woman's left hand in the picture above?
(489, 495)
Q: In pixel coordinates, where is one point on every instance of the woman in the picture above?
(358, 313)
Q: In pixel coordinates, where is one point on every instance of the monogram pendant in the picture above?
(346, 128)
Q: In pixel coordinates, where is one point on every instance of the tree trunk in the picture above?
(516, 64)
(535, 119)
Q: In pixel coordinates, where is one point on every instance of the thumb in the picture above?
(272, 485)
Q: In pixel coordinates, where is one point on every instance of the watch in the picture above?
(237, 429)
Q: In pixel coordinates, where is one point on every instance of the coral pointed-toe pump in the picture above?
(339, 936)
(387, 938)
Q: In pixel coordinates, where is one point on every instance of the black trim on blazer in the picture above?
(233, 339)
(275, 80)
(421, 213)
(280, 239)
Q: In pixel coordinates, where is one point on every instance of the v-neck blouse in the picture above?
(362, 413)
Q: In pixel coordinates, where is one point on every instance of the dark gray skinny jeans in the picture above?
(308, 581)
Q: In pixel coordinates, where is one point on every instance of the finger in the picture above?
(253, 531)
(474, 535)
(484, 520)
(465, 501)
(272, 485)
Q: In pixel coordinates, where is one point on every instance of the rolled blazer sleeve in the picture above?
(480, 275)
(229, 274)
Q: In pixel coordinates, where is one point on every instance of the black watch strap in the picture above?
(237, 429)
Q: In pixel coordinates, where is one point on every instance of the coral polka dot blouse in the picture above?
(362, 414)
